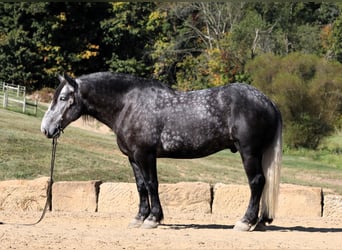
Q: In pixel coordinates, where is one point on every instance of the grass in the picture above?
(84, 155)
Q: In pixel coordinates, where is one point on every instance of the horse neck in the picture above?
(108, 102)
(103, 106)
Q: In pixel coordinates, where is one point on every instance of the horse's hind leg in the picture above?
(144, 204)
(256, 180)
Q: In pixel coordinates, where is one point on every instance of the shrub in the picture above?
(307, 90)
(44, 95)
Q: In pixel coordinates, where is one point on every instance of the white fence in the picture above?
(18, 90)
(16, 95)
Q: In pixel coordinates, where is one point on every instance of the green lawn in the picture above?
(83, 155)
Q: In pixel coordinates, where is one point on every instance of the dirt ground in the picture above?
(85, 230)
(89, 230)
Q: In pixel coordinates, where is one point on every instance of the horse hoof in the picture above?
(242, 226)
(149, 224)
(259, 227)
(135, 223)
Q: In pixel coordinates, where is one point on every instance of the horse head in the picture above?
(65, 107)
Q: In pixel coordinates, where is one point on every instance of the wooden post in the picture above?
(5, 103)
(24, 104)
(35, 107)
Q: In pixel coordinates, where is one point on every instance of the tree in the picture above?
(210, 21)
(190, 45)
(202, 46)
(76, 36)
(19, 56)
(41, 39)
(127, 39)
(336, 38)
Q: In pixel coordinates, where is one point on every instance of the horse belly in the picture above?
(192, 144)
(194, 125)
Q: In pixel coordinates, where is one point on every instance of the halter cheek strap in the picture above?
(60, 129)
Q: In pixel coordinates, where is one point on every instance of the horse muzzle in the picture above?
(54, 132)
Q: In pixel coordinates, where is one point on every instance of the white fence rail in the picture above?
(18, 90)
(16, 95)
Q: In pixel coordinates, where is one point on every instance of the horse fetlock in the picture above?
(260, 226)
(265, 220)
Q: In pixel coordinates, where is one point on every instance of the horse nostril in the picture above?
(45, 132)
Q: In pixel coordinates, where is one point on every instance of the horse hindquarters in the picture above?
(263, 172)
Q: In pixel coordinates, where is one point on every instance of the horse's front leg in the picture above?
(144, 204)
(147, 164)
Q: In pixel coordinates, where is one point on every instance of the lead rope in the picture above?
(48, 202)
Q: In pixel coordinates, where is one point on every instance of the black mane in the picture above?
(122, 82)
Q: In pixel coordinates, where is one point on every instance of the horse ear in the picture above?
(61, 78)
(70, 81)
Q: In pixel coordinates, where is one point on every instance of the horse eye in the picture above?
(63, 98)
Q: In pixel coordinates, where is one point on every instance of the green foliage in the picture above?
(264, 69)
(212, 68)
(39, 40)
(336, 38)
(307, 90)
(245, 35)
(128, 35)
(18, 54)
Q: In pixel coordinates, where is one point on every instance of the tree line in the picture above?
(292, 50)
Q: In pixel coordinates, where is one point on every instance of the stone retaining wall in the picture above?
(293, 200)
(183, 197)
(23, 194)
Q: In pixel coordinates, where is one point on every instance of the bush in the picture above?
(44, 95)
(306, 132)
(307, 90)
(263, 69)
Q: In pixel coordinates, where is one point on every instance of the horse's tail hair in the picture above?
(271, 164)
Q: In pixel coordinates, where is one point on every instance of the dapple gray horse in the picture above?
(152, 120)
